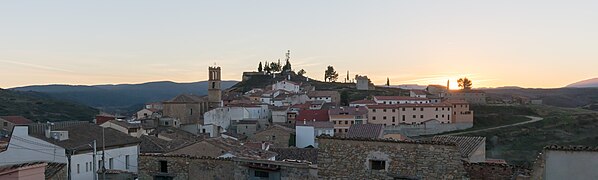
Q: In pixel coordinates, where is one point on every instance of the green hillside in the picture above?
(41, 108)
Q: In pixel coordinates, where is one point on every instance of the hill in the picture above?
(585, 83)
(560, 97)
(122, 96)
(40, 107)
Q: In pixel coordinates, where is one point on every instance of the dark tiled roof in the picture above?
(174, 139)
(18, 120)
(323, 93)
(388, 140)
(293, 153)
(247, 122)
(570, 148)
(365, 131)
(419, 92)
(82, 134)
(467, 144)
(126, 124)
(53, 168)
(187, 98)
(16, 166)
(308, 114)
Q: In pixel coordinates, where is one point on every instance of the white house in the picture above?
(287, 86)
(122, 151)
(223, 117)
(307, 131)
(148, 113)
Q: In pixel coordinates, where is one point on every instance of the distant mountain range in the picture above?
(585, 83)
(120, 96)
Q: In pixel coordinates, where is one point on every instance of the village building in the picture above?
(566, 162)
(400, 100)
(471, 96)
(395, 114)
(287, 86)
(362, 103)
(167, 139)
(437, 90)
(388, 159)
(307, 131)
(278, 135)
(279, 114)
(363, 83)
(461, 112)
(189, 109)
(247, 127)
(366, 131)
(33, 170)
(418, 93)
(7, 123)
(345, 117)
(327, 96)
(218, 120)
(472, 149)
(223, 148)
(55, 145)
(148, 114)
(134, 129)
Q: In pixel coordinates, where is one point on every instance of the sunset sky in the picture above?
(502, 43)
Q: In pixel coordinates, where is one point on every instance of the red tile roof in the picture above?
(310, 115)
(363, 101)
(18, 120)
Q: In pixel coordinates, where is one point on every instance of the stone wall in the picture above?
(495, 171)
(343, 158)
(185, 167)
(190, 167)
(425, 129)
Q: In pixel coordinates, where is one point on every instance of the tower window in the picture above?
(213, 85)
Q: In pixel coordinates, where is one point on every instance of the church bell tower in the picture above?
(214, 91)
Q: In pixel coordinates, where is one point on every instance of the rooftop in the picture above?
(18, 120)
(309, 115)
(466, 144)
(315, 124)
(293, 153)
(398, 98)
(348, 111)
(322, 93)
(83, 134)
(378, 106)
(365, 131)
(389, 140)
(570, 148)
(363, 101)
(187, 98)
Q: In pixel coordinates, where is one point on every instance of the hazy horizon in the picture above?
(535, 44)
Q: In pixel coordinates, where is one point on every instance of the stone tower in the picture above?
(214, 91)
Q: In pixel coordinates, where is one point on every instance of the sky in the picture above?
(541, 44)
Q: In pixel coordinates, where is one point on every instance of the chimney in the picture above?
(304, 122)
(48, 129)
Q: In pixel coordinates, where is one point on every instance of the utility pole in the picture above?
(103, 156)
(95, 172)
(68, 156)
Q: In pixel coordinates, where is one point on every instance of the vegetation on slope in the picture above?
(41, 108)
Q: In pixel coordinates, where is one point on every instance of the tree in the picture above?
(330, 74)
(387, 82)
(344, 98)
(286, 67)
(259, 67)
(275, 67)
(267, 68)
(464, 83)
(301, 72)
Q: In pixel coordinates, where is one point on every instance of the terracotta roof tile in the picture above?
(365, 131)
(309, 115)
(17, 120)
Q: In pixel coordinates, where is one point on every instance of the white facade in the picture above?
(24, 148)
(305, 136)
(225, 115)
(144, 114)
(119, 159)
(287, 86)
(327, 99)
(279, 116)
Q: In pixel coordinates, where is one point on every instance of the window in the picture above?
(334, 122)
(383, 110)
(403, 109)
(78, 169)
(5, 124)
(100, 164)
(377, 165)
(393, 119)
(352, 122)
(421, 116)
(384, 117)
(346, 130)
(436, 115)
(111, 163)
(86, 166)
(346, 122)
(373, 117)
(393, 110)
(191, 111)
(414, 109)
(373, 110)
(261, 174)
(273, 137)
(414, 116)
(443, 115)
(164, 166)
(403, 117)
(127, 162)
(436, 109)
(421, 109)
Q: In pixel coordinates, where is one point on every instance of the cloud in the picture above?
(43, 67)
